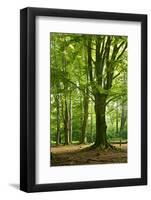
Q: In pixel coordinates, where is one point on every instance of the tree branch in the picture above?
(116, 75)
(115, 97)
(122, 51)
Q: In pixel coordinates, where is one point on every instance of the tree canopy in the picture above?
(88, 89)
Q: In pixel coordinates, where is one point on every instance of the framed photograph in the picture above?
(83, 99)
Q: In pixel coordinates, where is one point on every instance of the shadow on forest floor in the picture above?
(81, 154)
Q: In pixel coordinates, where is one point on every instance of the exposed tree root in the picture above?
(105, 147)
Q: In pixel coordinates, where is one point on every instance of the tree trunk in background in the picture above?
(91, 127)
(70, 120)
(58, 136)
(81, 118)
(123, 118)
(66, 124)
(117, 118)
(124, 110)
(100, 107)
(85, 119)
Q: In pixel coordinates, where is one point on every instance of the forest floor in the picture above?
(81, 154)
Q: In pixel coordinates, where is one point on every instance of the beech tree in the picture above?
(108, 51)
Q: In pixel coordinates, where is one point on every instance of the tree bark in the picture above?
(100, 107)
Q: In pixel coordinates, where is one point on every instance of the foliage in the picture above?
(84, 67)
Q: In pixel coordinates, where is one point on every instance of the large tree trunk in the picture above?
(100, 107)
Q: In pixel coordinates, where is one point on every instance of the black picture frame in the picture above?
(28, 99)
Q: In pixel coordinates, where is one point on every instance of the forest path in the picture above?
(80, 155)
